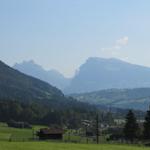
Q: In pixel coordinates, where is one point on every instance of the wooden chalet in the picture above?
(50, 133)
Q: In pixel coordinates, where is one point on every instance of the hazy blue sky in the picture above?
(62, 34)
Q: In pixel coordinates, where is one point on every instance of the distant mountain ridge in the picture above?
(138, 98)
(95, 74)
(53, 77)
(100, 73)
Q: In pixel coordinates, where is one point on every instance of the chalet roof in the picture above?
(51, 131)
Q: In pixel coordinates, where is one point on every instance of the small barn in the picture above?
(50, 133)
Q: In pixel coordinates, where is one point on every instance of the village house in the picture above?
(50, 133)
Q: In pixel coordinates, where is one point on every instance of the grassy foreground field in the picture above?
(63, 146)
(20, 141)
(6, 133)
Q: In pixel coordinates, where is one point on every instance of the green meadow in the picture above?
(7, 133)
(63, 146)
(21, 139)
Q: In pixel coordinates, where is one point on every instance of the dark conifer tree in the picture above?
(146, 131)
(131, 128)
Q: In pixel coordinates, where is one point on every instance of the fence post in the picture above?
(97, 129)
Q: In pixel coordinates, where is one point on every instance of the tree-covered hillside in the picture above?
(138, 98)
(24, 98)
(67, 113)
(16, 85)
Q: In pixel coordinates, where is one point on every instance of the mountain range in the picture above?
(99, 73)
(52, 77)
(94, 75)
(19, 86)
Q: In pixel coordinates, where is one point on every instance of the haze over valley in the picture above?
(116, 81)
